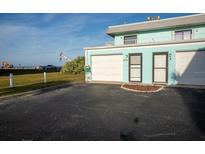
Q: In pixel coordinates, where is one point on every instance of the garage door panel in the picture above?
(190, 68)
(107, 68)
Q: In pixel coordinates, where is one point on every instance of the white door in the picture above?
(135, 66)
(160, 67)
(107, 68)
(190, 68)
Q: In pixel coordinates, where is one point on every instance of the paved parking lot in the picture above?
(104, 112)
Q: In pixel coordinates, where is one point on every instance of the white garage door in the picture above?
(107, 68)
(190, 68)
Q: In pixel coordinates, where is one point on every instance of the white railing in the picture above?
(109, 43)
(133, 41)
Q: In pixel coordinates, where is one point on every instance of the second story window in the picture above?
(183, 35)
(131, 39)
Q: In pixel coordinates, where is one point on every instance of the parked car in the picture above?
(50, 67)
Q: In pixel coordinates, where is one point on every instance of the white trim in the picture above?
(105, 54)
(148, 46)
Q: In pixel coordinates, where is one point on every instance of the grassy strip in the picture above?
(30, 82)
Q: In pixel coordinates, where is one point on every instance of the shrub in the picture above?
(75, 66)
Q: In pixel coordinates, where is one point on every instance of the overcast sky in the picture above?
(37, 39)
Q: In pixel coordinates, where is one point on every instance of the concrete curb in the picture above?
(140, 91)
(38, 91)
(104, 82)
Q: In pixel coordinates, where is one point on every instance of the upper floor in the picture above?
(171, 29)
(164, 35)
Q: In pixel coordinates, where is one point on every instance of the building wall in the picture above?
(160, 35)
(154, 36)
(147, 58)
(119, 39)
(199, 32)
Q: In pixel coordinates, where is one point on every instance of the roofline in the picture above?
(157, 24)
(143, 22)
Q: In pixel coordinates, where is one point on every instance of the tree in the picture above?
(75, 66)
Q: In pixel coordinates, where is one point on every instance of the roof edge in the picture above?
(112, 30)
(152, 21)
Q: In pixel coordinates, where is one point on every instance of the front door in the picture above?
(160, 66)
(135, 67)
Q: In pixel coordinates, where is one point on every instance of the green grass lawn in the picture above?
(23, 83)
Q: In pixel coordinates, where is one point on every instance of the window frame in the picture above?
(134, 35)
(182, 31)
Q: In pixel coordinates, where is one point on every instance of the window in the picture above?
(131, 39)
(183, 35)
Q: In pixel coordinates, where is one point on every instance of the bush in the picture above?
(75, 66)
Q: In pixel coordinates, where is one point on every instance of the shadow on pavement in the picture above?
(194, 99)
(130, 135)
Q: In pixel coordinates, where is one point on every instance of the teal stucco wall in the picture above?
(199, 32)
(161, 35)
(147, 53)
(119, 40)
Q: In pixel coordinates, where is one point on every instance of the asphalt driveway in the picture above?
(104, 112)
